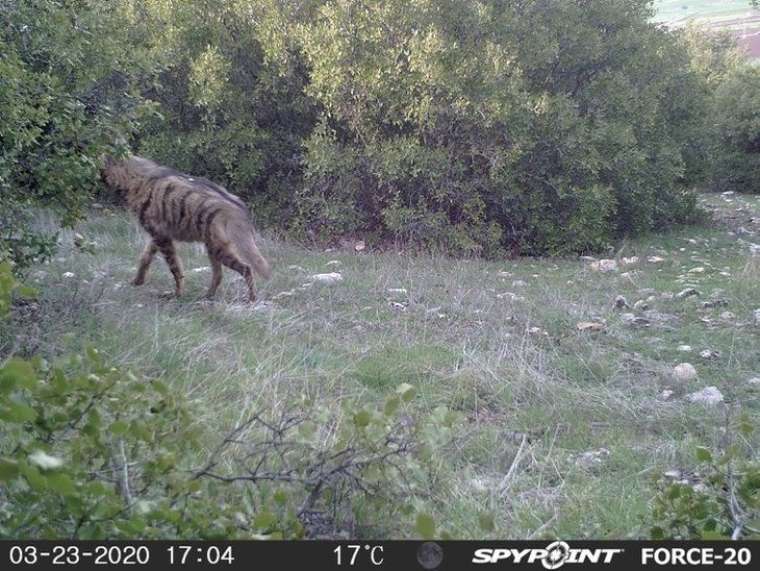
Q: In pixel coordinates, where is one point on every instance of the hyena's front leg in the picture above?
(175, 265)
(216, 273)
(145, 259)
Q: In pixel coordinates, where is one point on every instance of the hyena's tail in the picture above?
(240, 233)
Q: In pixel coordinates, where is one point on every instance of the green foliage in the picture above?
(723, 503)
(544, 126)
(62, 104)
(91, 451)
(738, 116)
(9, 287)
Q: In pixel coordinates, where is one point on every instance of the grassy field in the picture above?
(566, 431)
(675, 10)
(736, 17)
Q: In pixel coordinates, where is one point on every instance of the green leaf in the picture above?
(119, 427)
(703, 454)
(486, 522)
(8, 469)
(362, 418)
(264, 520)
(391, 406)
(17, 373)
(17, 412)
(425, 526)
(61, 483)
(406, 391)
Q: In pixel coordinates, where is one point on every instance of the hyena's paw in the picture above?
(137, 282)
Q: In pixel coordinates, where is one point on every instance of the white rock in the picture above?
(201, 269)
(709, 354)
(699, 270)
(688, 292)
(655, 259)
(331, 278)
(673, 474)
(68, 275)
(334, 263)
(728, 316)
(685, 372)
(666, 394)
(629, 261)
(708, 395)
(684, 348)
(754, 381)
(592, 458)
(605, 266)
(44, 460)
(397, 290)
(756, 314)
(518, 283)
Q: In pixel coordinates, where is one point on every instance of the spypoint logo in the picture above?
(553, 556)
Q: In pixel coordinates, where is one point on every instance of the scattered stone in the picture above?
(334, 263)
(684, 348)
(296, 269)
(68, 275)
(397, 305)
(620, 302)
(688, 292)
(728, 193)
(629, 261)
(397, 290)
(709, 354)
(201, 269)
(685, 372)
(360, 246)
(519, 283)
(330, 278)
(699, 270)
(283, 294)
(756, 315)
(655, 259)
(714, 303)
(510, 296)
(590, 326)
(604, 266)
(754, 381)
(537, 331)
(632, 319)
(641, 305)
(592, 458)
(673, 474)
(588, 258)
(709, 396)
(728, 316)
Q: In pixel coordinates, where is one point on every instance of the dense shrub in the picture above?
(66, 94)
(547, 126)
(738, 117)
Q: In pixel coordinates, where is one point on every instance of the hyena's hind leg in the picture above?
(175, 265)
(145, 260)
(216, 272)
(230, 258)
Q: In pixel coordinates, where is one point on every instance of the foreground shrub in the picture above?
(91, 451)
(720, 501)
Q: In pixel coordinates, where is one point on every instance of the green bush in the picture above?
(721, 501)
(62, 104)
(738, 116)
(544, 126)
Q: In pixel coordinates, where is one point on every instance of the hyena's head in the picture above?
(113, 173)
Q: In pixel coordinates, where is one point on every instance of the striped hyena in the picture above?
(174, 206)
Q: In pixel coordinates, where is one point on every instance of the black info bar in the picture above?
(401, 555)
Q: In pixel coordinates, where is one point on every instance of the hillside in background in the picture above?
(735, 16)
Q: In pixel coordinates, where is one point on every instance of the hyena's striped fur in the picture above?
(174, 206)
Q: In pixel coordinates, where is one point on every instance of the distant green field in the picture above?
(674, 10)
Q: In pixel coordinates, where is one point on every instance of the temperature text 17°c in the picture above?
(350, 555)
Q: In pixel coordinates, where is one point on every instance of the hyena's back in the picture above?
(173, 206)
